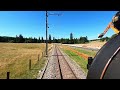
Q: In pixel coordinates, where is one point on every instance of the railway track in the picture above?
(60, 69)
(67, 72)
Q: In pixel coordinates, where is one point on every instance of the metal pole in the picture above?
(46, 34)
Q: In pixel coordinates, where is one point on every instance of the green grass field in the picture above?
(14, 58)
(79, 60)
(88, 52)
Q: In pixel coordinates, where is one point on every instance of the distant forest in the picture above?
(71, 40)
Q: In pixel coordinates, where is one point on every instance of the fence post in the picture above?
(30, 64)
(38, 56)
(8, 75)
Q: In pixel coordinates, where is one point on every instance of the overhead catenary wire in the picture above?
(47, 14)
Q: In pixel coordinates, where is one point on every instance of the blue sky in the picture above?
(32, 23)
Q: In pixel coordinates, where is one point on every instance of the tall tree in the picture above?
(34, 40)
(0, 38)
(62, 40)
(26, 40)
(42, 40)
(21, 39)
(71, 38)
(30, 40)
(50, 38)
(87, 39)
(75, 40)
(83, 40)
(17, 39)
(39, 41)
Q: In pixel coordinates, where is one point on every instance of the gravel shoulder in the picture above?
(52, 71)
(51, 68)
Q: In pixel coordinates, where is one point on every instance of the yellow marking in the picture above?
(114, 29)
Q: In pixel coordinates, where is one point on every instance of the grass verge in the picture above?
(79, 60)
(90, 53)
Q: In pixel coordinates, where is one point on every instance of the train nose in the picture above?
(106, 63)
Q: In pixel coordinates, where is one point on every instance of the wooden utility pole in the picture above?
(46, 33)
(47, 30)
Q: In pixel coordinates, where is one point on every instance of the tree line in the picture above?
(70, 40)
(104, 38)
(21, 39)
